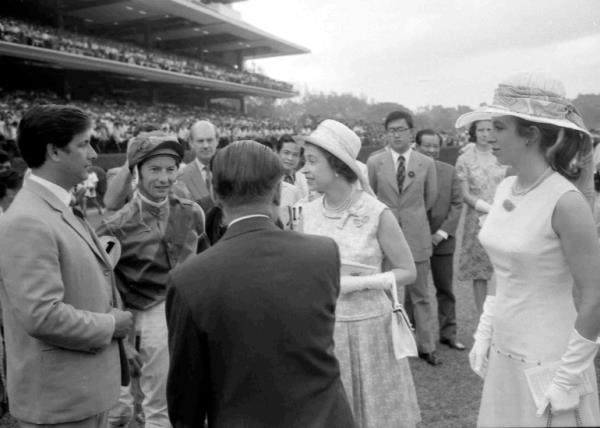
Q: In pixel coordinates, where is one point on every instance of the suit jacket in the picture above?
(57, 287)
(418, 196)
(447, 207)
(251, 324)
(191, 176)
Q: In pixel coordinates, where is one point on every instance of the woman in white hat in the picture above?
(541, 239)
(371, 341)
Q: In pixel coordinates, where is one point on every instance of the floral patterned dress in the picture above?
(379, 387)
(482, 172)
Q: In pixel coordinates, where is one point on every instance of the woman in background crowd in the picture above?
(377, 379)
(480, 173)
(540, 236)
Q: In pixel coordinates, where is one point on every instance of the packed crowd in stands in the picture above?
(17, 31)
(117, 120)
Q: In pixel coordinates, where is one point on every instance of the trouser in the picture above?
(98, 421)
(442, 271)
(152, 327)
(418, 308)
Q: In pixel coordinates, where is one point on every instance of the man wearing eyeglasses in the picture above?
(405, 180)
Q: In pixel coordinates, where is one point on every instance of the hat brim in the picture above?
(491, 111)
(334, 150)
(168, 148)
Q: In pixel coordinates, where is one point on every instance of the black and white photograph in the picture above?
(299, 214)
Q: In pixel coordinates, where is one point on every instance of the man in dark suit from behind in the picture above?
(251, 319)
(443, 219)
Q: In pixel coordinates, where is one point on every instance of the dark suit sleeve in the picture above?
(187, 382)
(451, 222)
(430, 186)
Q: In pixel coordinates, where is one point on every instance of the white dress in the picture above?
(379, 387)
(534, 309)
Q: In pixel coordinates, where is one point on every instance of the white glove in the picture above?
(482, 206)
(377, 281)
(563, 393)
(478, 357)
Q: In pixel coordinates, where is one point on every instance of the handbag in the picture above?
(578, 422)
(403, 339)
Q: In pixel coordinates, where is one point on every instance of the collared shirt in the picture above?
(63, 195)
(203, 169)
(245, 217)
(396, 155)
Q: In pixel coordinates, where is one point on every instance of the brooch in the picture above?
(508, 205)
(411, 174)
(359, 221)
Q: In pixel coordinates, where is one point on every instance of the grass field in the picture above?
(448, 394)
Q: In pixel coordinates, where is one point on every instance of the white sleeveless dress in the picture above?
(534, 312)
(379, 387)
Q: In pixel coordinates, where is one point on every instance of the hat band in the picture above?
(536, 102)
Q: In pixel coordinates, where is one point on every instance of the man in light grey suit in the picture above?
(405, 180)
(196, 175)
(65, 360)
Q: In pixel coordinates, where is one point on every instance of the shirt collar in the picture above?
(201, 165)
(245, 217)
(63, 195)
(396, 155)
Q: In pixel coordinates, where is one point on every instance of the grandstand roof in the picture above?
(65, 60)
(184, 26)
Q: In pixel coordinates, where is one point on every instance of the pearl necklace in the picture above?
(536, 183)
(341, 207)
(509, 205)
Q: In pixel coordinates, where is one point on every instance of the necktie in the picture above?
(400, 173)
(78, 213)
(207, 178)
(288, 179)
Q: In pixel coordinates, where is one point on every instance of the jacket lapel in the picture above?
(87, 234)
(387, 166)
(414, 163)
(198, 180)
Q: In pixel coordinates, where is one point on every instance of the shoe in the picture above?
(431, 358)
(454, 344)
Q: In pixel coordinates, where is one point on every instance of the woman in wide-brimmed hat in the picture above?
(541, 239)
(371, 341)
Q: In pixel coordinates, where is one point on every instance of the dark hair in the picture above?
(564, 155)
(245, 172)
(48, 124)
(9, 180)
(423, 132)
(285, 138)
(473, 130)
(337, 165)
(397, 115)
(4, 156)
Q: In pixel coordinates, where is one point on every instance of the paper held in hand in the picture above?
(357, 269)
(540, 377)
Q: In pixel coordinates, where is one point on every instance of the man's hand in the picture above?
(436, 238)
(123, 323)
(134, 359)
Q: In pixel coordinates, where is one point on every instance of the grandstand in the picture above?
(174, 51)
